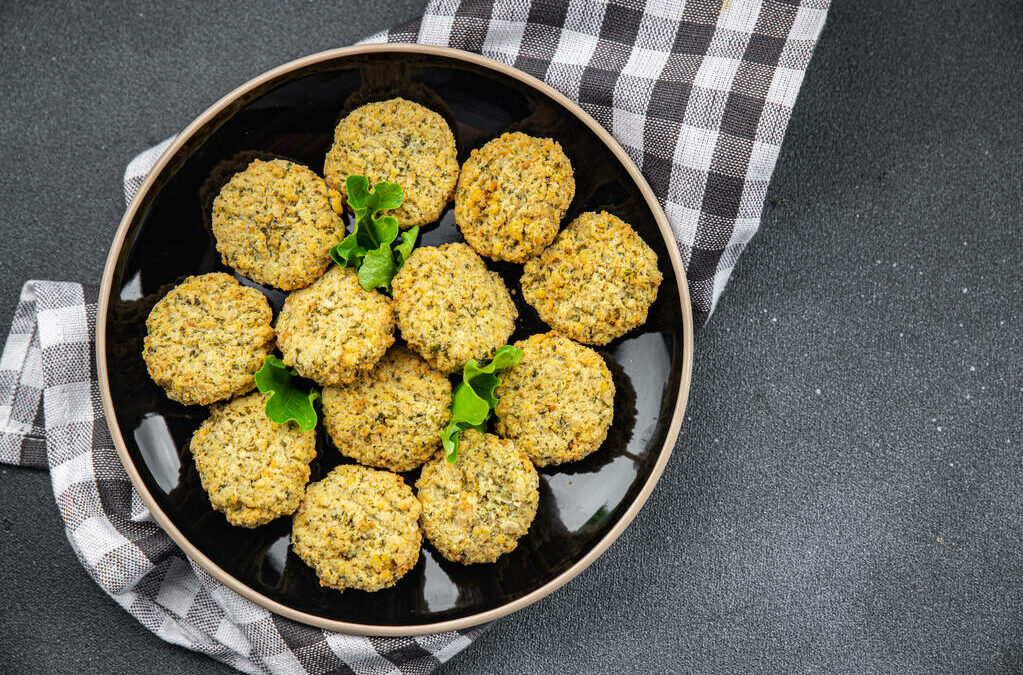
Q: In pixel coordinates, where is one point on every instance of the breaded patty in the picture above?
(476, 509)
(334, 330)
(450, 308)
(557, 402)
(401, 142)
(206, 338)
(595, 282)
(253, 469)
(512, 194)
(275, 223)
(358, 528)
(392, 417)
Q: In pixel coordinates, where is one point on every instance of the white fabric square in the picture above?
(95, 537)
(695, 147)
(808, 24)
(628, 128)
(63, 325)
(15, 351)
(237, 608)
(67, 403)
(716, 73)
(739, 16)
(441, 647)
(179, 589)
(575, 48)
(435, 29)
(645, 63)
(78, 469)
(743, 230)
(785, 86)
(667, 9)
(762, 160)
(229, 635)
(504, 38)
(284, 662)
(684, 222)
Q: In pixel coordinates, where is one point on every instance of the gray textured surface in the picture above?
(847, 493)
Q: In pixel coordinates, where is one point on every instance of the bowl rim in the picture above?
(461, 623)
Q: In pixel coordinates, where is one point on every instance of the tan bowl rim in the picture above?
(418, 629)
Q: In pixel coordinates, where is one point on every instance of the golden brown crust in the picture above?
(206, 338)
(275, 223)
(334, 330)
(392, 417)
(595, 282)
(557, 403)
(512, 194)
(450, 308)
(357, 528)
(401, 142)
(476, 509)
(253, 469)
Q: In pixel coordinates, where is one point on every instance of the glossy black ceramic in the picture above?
(293, 116)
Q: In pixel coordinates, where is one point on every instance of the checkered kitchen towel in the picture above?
(698, 92)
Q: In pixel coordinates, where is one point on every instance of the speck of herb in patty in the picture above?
(288, 401)
(368, 247)
(474, 400)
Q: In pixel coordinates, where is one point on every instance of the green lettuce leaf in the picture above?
(288, 402)
(408, 241)
(377, 269)
(371, 229)
(475, 397)
(348, 251)
(368, 247)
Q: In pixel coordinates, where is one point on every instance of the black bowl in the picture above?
(165, 236)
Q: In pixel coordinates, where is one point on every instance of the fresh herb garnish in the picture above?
(288, 401)
(368, 247)
(474, 400)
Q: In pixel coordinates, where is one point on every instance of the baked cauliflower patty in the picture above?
(450, 308)
(475, 510)
(275, 223)
(401, 142)
(557, 402)
(253, 469)
(595, 282)
(512, 194)
(392, 417)
(334, 330)
(206, 338)
(358, 528)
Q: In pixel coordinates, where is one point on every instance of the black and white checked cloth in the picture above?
(51, 415)
(698, 92)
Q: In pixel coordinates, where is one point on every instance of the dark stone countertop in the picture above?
(847, 493)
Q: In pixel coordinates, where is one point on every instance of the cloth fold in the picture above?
(698, 92)
(51, 415)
